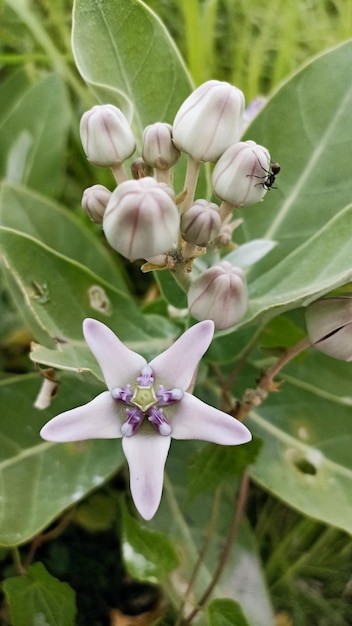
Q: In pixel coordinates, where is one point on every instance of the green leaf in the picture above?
(306, 430)
(38, 478)
(59, 293)
(225, 613)
(214, 464)
(148, 554)
(306, 126)
(33, 146)
(33, 214)
(138, 68)
(319, 265)
(40, 599)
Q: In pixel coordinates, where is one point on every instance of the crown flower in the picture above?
(106, 136)
(209, 120)
(219, 294)
(240, 175)
(141, 219)
(146, 404)
(329, 326)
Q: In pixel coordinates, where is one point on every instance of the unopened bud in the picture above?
(209, 120)
(158, 149)
(329, 326)
(140, 169)
(106, 136)
(240, 176)
(201, 223)
(94, 202)
(141, 219)
(219, 294)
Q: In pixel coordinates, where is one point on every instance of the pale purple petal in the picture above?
(193, 419)
(99, 419)
(118, 363)
(146, 456)
(176, 366)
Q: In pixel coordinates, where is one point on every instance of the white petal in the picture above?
(119, 364)
(176, 366)
(99, 419)
(194, 419)
(146, 456)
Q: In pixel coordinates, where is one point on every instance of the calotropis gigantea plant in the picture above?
(146, 218)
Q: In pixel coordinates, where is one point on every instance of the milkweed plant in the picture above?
(200, 293)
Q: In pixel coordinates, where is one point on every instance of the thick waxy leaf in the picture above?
(307, 438)
(60, 293)
(307, 127)
(27, 211)
(316, 267)
(33, 146)
(40, 599)
(138, 67)
(38, 478)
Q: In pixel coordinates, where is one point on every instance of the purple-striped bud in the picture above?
(106, 136)
(240, 176)
(94, 202)
(158, 149)
(329, 326)
(201, 223)
(209, 120)
(141, 219)
(219, 294)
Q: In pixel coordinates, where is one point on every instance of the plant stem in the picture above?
(191, 180)
(16, 557)
(238, 514)
(254, 397)
(209, 533)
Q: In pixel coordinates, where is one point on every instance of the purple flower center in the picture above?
(143, 401)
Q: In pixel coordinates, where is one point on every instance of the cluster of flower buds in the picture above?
(145, 218)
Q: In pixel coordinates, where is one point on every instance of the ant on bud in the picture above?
(270, 176)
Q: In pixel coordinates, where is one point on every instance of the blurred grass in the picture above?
(253, 44)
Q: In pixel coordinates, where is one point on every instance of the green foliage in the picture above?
(58, 271)
(147, 554)
(39, 598)
(214, 464)
(225, 613)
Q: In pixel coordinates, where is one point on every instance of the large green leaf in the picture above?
(39, 479)
(138, 67)
(59, 293)
(306, 428)
(319, 265)
(33, 132)
(29, 212)
(40, 599)
(307, 127)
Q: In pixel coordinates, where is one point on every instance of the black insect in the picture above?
(269, 177)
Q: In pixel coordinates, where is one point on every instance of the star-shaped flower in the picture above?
(146, 404)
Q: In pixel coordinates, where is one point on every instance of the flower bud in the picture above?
(219, 294)
(240, 175)
(106, 136)
(94, 202)
(201, 223)
(158, 149)
(329, 326)
(141, 219)
(209, 120)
